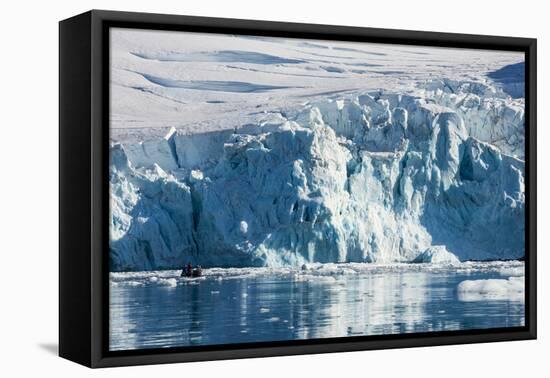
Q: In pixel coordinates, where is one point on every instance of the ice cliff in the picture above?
(378, 177)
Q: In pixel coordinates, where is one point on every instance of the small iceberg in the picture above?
(512, 289)
(169, 282)
(437, 254)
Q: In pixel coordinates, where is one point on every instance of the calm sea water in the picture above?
(159, 309)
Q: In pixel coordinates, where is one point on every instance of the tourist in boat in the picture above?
(187, 271)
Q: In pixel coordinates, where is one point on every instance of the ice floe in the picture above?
(512, 288)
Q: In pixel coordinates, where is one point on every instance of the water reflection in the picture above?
(267, 307)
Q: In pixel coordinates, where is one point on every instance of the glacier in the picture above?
(434, 176)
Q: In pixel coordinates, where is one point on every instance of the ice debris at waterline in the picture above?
(331, 272)
(378, 177)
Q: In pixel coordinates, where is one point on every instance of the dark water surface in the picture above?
(159, 309)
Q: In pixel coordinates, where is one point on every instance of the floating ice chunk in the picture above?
(316, 278)
(169, 282)
(492, 289)
(515, 271)
(437, 254)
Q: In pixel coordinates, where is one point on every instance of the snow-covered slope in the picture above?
(203, 82)
(257, 171)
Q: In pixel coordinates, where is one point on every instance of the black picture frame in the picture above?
(84, 191)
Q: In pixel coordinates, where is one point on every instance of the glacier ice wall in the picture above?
(488, 113)
(371, 178)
